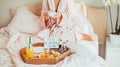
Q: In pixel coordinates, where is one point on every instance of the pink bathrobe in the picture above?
(73, 21)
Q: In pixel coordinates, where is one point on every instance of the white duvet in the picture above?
(83, 54)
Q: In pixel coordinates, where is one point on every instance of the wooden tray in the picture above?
(44, 60)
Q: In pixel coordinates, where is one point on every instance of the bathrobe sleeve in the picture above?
(70, 8)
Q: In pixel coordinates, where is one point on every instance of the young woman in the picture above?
(66, 18)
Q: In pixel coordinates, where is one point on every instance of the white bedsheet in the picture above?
(83, 55)
(5, 59)
(92, 45)
(3, 40)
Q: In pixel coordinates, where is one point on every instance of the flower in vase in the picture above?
(107, 2)
(116, 2)
(110, 2)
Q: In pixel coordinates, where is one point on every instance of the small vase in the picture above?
(115, 39)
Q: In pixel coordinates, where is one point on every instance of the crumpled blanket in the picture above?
(4, 38)
(5, 59)
(81, 57)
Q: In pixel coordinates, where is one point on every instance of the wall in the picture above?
(94, 3)
(5, 5)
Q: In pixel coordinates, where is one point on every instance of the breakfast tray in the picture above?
(44, 60)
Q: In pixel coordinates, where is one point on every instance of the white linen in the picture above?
(5, 58)
(81, 57)
(93, 46)
(25, 21)
(3, 40)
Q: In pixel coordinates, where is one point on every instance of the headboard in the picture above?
(97, 17)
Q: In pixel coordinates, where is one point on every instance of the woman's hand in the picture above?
(52, 20)
(46, 19)
(46, 16)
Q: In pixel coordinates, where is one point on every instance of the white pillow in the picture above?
(25, 21)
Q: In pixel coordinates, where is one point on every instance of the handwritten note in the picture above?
(51, 43)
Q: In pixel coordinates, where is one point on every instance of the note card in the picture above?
(51, 43)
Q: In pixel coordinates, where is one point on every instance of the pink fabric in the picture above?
(26, 22)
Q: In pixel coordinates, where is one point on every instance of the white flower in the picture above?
(107, 2)
(116, 2)
(110, 2)
(62, 41)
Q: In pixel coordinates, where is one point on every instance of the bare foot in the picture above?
(87, 37)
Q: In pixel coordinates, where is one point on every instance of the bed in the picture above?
(90, 13)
